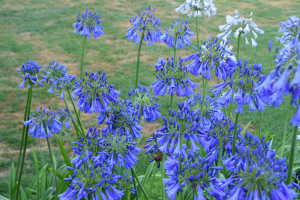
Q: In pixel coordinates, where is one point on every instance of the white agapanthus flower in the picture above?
(196, 7)
(240, 26)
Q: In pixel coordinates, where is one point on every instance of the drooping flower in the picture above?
(290, 29)
(196, 7)
(94, 93)
(63, 116)
(144, 102)
(213, 55)
(88, 24)
(30, 73)
(145, 23)
(179, 35)
(121, 114)
(43, 123)
(256, 173)
(52, 73)
(240, 27)
(242, 84)
(118, 147)
(173, 78)
(91, 174)
(196, 172)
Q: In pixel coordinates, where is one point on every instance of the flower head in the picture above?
(88, 24)
(196, 7)
(179, 35)
(144, 100)
(153, 148)
(63, 116)
(52, 72)
(290, 29)
(91, 174)
(173, 76)
(213, 55)
(94, 93)
(65, 84)
(240, 27)
(30, 74)
(256, 173)
(43, 123)
(197, 172)
(242, 88)
(146, 23)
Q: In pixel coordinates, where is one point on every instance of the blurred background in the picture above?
(42, 31)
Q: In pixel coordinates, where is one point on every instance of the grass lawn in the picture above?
(42, 31)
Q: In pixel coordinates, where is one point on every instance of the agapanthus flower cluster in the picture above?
(256, 173)
(212, 55)
(144, 102)
(153, 148)
(242, 88)
(146, 23)
(121, 114)
(30, 72)
(187, 125)
(179, 35)
(91, 174)
(94, 93)
(173, 78)
(52, 73)
(88, 24)
(196, 6)
(240, 27)
(63, 116)
(65, 84)
(118, 147)
(290, 29)
(43, 123)
(197, 172)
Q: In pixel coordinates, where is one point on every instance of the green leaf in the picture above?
(23, 195)
(64, 153)
(46, 194)
(266, 134)
(63, 184)
(32, 185)
(148, 173)
(11, 182)
(57, 174)
(3, 198)
(37, 174)
(43, 181)
(244, 130)
(70, 138)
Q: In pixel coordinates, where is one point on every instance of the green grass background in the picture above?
(42, 31)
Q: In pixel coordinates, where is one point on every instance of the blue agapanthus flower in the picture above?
(94, 93)
(63, 116)
(65, 84)
(153, 148)
(52, 72)
(30, 72)
(118, 148)
(91, 174)
(213, 55)
(173, 76)
(121, 114)
(144, 102)
(196, 172)
(146, 23)
(179, 35)
(290, 29)
(88, 24)
(256, 173)
(43, 123)
(242, 84)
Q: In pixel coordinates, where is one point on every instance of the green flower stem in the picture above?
(153, 181)
(259, 129)
(292, 156)
(238, 47)
(128, 194)
(25, 142)
(219, 163)
(54, 170)
(81, 67)
(23, 136)
(235, 132)
(138, 61)
(197, 32)
(203, 97)
(162, 165)
(286, 122)
(137, 179)
(134, 185)
(73, 120)
(75, 110)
